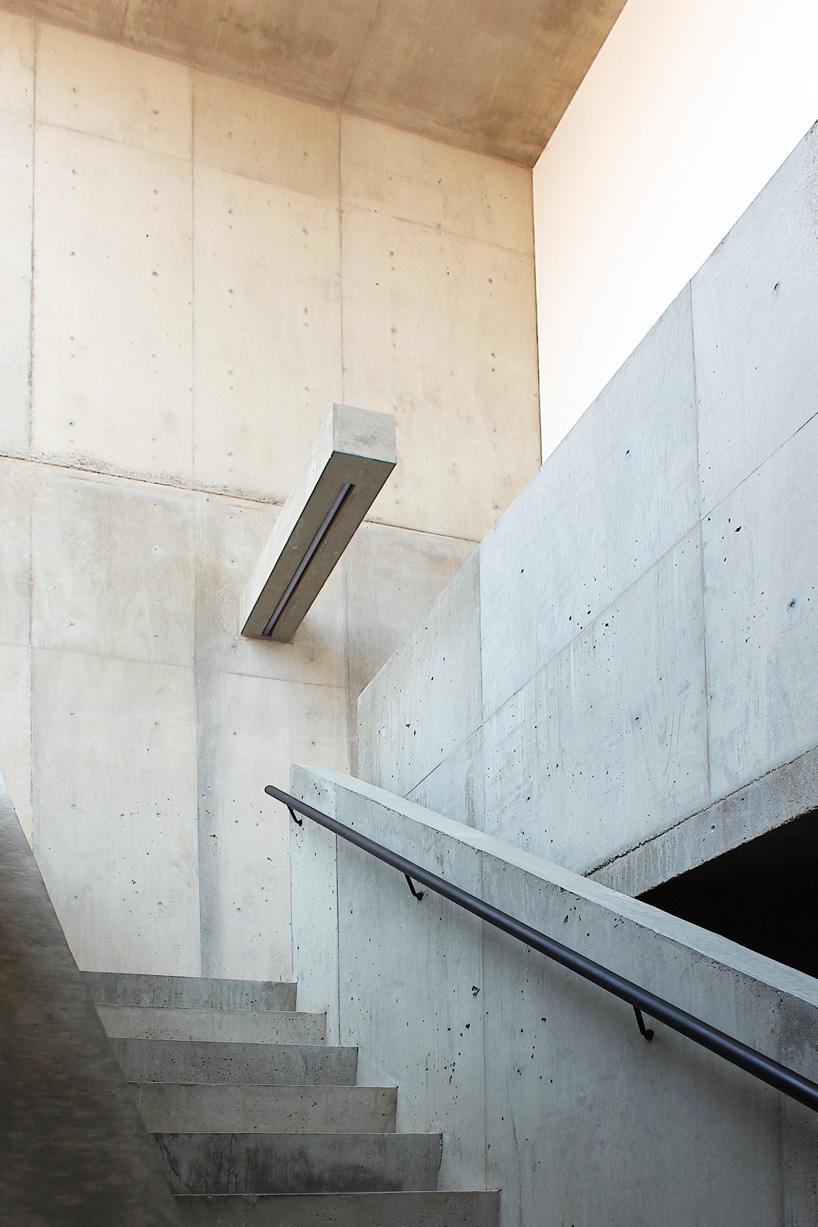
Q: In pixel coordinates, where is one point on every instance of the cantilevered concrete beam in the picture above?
(348, 464)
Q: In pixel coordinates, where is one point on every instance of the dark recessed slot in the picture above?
(762, 895)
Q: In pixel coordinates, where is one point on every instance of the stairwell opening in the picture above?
(761, 895)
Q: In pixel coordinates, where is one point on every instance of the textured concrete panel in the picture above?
(308, 50)
(251, 132)
(415, 1026)
(94, 87)
(250, 730)
(16, 192)
(17, 66)
(491, 76)
(439, 330)
(314, 902)
(566, 1061)
(762, 617)
(15, 550)
(755, 315)
(608, 743)
(478, 75)
(568, 1081)
(456, 787)
(436, 1049)
(113, 286)
(393, 577)
(615, 496)
(112, 568)
(775, 799)
(114, 788)
(402, 175)
(102, 18)
(268, 330)
(73, 1143)
(229, 538)
(426, 699)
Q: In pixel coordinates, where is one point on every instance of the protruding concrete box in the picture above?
(348, 464)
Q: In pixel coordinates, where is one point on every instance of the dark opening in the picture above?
(763, 895)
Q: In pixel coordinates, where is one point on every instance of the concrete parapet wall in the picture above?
(635, 640)
(541, 1082)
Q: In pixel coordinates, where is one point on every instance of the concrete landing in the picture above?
(177, 1108)
(232, 1026)
(343, 1210)
(299, 1163)
(153, 1060)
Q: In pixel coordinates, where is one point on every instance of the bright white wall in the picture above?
(687, 111)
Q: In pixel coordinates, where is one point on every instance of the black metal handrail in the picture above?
(733, 1050)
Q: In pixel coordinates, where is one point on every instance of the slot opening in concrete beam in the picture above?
(352, 457)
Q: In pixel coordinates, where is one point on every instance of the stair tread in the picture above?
(140, 989)
(203, 1023)
(429, 1208)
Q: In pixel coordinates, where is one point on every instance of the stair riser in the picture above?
(309, 1163)
(187, 992)
(247, 1109)
(259, 1064)
(343, 1210)
(239, 1026)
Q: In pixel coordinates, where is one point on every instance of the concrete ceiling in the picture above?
(493, 76)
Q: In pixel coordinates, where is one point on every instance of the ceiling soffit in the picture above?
(493, 76)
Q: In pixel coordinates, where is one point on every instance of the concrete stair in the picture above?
(258, 1121)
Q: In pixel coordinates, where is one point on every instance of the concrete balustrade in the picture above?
(540, 1082)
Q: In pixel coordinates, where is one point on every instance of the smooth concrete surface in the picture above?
(428, 696)
(772, 801)
(329, 261)
(342, 1210)
(237, 1108)
(176, 316)
(646, 608)
(299, 1163)
(186, 992)
(471, 75)
(72, 1140)
(541, 1082)
(227, 1026)
(205, 1061)
(353, 455)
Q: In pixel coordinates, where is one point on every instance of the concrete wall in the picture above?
(686, 112)
(191, 272)
(634, 642)
(542, 1084)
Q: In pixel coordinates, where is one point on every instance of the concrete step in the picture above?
(299, 1163)
(231, 1026)
(185, 992)
(259, 1064)
(342, 1210)
(179, 1108)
